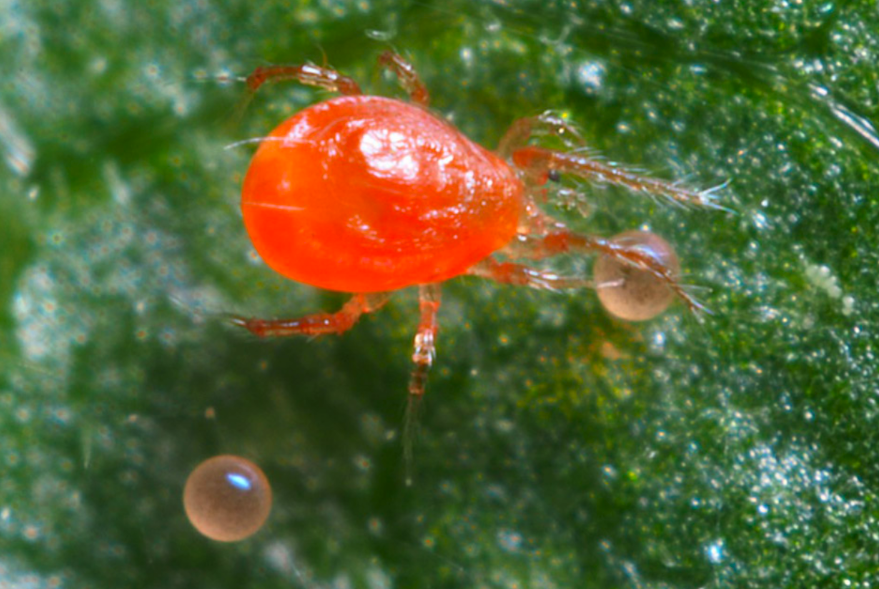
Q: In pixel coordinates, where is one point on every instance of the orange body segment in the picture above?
(367, 194)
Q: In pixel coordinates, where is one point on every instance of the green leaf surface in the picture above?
(558, 447)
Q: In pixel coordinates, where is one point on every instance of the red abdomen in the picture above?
(366, 194)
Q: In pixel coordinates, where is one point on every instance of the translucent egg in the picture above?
(227, 498)
(630, 293)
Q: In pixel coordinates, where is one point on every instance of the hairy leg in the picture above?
(560, 240)
(547, 123)
(422, 357)
(425, 338)
(521, 275)
(308, 74)
(407, 75)
(538, 163)
(317, 323)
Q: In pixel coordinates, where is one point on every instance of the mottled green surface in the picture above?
(558, 447)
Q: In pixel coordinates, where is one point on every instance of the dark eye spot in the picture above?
(227, 498)
(554, 176)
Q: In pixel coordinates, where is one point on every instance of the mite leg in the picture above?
(539, 163)
(422, 358)
(425, 339)
(318, 323)
(543, 124)
(517, 136)
(561, 240)
(407, 75)
(311, 75)
(308, 74)
(521, 275)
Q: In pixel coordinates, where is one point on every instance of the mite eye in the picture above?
(554, 176)
(631, 293)
(227, 498)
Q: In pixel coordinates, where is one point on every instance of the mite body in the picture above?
(370, 194)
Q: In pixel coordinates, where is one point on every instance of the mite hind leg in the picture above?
(408, 77)
(425, 338)
(423, 355)
(317, 323)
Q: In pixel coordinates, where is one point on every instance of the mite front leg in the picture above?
(640, 256)
(538, 163)
(407, 75)
(521, 275)
(310, 75)
(546, 123)
(317, 323)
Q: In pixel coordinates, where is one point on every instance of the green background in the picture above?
(558, 447)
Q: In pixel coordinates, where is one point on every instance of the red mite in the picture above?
(369, 195)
